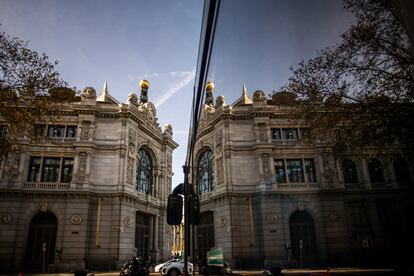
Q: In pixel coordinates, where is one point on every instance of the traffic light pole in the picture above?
(186, 220)
(210, 14)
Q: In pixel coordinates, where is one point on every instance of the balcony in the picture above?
(60, 140)
(289, 187)
(46, 186)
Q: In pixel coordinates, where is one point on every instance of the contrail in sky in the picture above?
(186, 79)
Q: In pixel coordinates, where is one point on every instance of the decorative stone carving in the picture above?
(5, 219)
(75, 219)
(271, 219)
(82, 165)
(122, 153)
(301, 207)
(227, 109)
(87, 130)
(330, 168)
(259, 96)
(131, 149)
(168, 129)
(151, 109)
(219, 142)
(169, 163)
(223, 221)
(132, 142)
(123, 107)
(333, 216)
(12, 165)
(266, 167)
(220, 174)
(127, 221)
(43, 207)
(133, 99)
(203, 121)
(130, 170)
(260, 131)
(88, 93)
(220, 101)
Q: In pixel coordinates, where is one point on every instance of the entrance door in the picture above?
(142, 234)
(205, 235)
(41, 242)
(302, 234)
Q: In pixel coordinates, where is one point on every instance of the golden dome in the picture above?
(144, 84)
(209, 86)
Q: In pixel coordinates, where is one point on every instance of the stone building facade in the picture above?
(269, 196)
(91, 192)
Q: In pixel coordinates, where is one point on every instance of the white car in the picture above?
(157, 268)
(175, 267)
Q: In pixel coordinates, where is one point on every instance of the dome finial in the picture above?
(144, 84)
(209, 93)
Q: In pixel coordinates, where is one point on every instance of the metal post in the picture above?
(186, 224)
(300, 250)
(43, 257)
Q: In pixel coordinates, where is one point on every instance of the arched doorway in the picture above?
(302, 235)
(41, 242)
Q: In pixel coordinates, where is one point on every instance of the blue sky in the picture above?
(122, 42)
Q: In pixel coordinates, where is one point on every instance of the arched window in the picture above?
(375, 171)
(144, 172)
(205, 174)
(401, 170)
(349, 171)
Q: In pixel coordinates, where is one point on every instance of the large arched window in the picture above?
(375, 171)
(349, 171)
(401, 170)
(205, 173)
(144, 172)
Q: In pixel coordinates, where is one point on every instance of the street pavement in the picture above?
(236, 272)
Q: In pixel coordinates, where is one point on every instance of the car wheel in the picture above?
(173, 272)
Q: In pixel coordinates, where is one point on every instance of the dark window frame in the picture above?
(144, 172)
(39, 171)
(205, 172)
(349, 172)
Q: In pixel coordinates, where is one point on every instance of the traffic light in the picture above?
(193, 209)
(174, 209)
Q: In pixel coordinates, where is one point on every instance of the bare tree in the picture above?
(29, 88)
(361, 91)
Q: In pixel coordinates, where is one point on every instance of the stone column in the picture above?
(151, 232)
(365, 174)
(156, 234)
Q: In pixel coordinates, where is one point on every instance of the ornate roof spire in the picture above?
(104, 95)
(105, 89)
(245, 97)
(244, 90)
